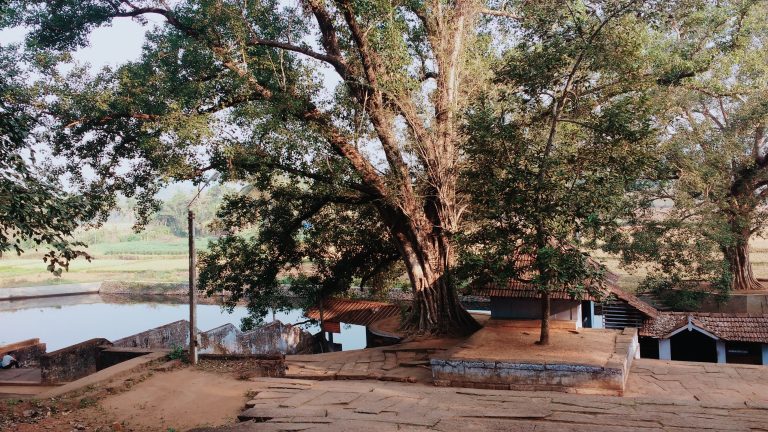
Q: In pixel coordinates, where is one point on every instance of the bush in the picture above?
(178, 353)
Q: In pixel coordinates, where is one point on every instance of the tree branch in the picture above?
(499, 13)
(312, 114)
(335, 61)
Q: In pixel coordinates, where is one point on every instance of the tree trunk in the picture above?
(545, 313)
(436, 309)
(741, 267)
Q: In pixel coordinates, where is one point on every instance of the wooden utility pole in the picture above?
(192, 291)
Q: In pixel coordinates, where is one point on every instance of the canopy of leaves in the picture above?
(33, 207)
(301, 247)
(333, 110)
(554, 153)
(711, 193)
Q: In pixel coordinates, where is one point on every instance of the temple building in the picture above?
(687, 336)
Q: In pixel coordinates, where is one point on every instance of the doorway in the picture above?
(692, 345)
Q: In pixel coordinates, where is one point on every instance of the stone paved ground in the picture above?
(687, 381)
(371, 406)
(408, 362)
(705, 382)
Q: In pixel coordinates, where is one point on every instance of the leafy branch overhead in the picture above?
(34, 210)
(382, 139)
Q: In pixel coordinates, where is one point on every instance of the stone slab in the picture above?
(266, 413)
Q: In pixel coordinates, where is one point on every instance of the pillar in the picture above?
(665, 349)
(578, 315)
(720, 345)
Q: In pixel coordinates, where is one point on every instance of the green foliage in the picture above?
(178, 353)
(342, 242)
(173, 213)
(555, 150)
(686, 295)
(708, 198)
(34, 209)
(86, 402)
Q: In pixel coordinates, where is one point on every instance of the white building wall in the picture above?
(513, 308)
(720, 345)
(665, 349)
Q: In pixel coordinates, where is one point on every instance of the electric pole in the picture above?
(192, 290)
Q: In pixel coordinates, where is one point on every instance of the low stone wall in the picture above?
(27, 352)
(273, 338)
(49, 291)
(73, 362)
(752, 303)
(261, 365)
(627, 349)
(112, 356)
(479, 373)
(169, 336)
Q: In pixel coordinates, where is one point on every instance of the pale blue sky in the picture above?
(122, 42)
(108, 46)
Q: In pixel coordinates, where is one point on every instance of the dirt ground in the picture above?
(498, 342)
(149, 399)
(180, 400)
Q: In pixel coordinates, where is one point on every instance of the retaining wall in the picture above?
(272, 338)
(49, 291)
(260, 365)
(575, 378)
(73, 362)
(27, 352)
(169, 336)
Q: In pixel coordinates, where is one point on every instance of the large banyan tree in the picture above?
(714, 148)
(344, 115)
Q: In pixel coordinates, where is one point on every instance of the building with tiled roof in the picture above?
(696, 336)
(351, 311)
(704, 336)
(518, 298)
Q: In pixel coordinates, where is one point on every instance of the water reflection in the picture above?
(63, 321)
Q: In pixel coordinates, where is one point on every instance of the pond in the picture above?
(63, 321)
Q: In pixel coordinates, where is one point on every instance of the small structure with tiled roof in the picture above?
(352, 311)
(713, 337)
(518, 299)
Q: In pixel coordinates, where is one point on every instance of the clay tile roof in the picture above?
(515, 288)
(726, 326)
(633, 301)
(349, 311)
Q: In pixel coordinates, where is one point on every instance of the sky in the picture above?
(108, 46)
(122, 42)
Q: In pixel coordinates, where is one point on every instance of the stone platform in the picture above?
(504, 355)
(337, 406)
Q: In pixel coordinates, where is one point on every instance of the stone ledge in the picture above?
(610, 378)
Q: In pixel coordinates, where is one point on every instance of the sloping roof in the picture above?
(515, 288)
(349, 311)
(726, 326)
(633, 301)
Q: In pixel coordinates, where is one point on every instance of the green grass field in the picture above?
(130, 258)
(630, 279)
(127, 261)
